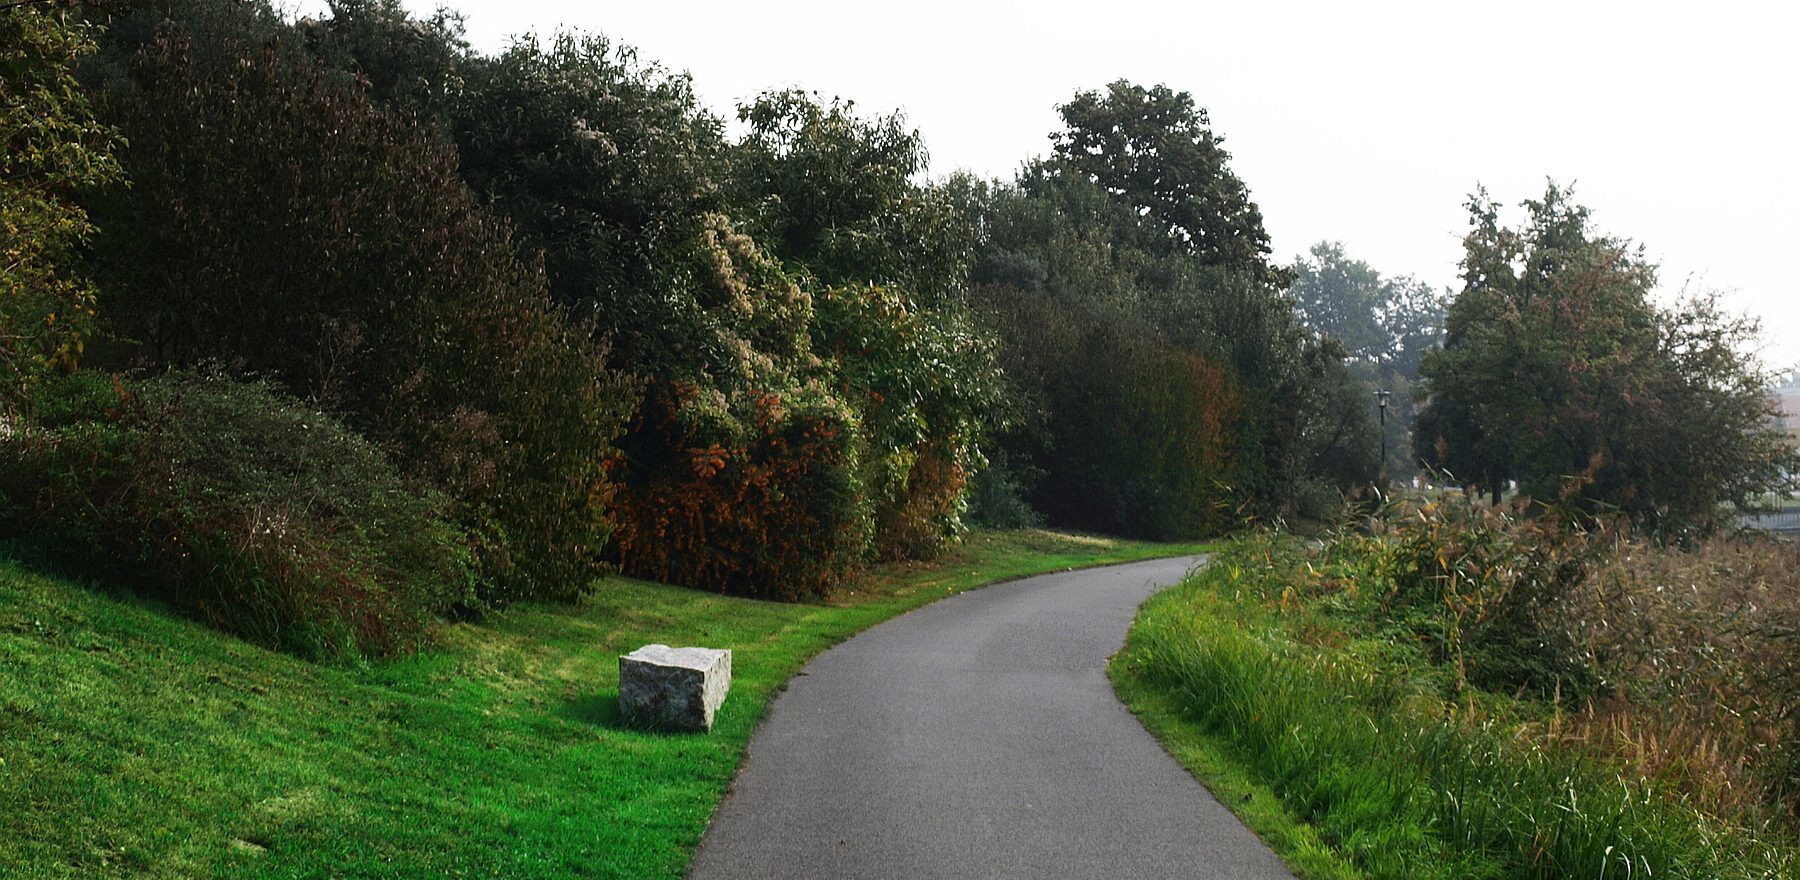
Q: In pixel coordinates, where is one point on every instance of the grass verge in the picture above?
(1352, 757)
(134, 743)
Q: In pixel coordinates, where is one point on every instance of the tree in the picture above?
(1559, 371)
(282, 224)
(1155, 150)
(1386, 325)
(51, 146)
(609, 165)
(837, 193)
(1069, 260)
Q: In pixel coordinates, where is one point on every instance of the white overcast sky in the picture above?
(1366, 123)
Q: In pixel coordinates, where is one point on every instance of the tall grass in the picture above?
(1355, 706)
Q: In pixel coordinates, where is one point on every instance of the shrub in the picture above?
(997, 496)
(237, 504)
(1142, 435)
(922, 382)
(1483, 587)
(766, 504)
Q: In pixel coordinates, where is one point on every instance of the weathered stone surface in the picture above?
(678, 688)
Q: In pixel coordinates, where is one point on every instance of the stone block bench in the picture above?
(674, 688)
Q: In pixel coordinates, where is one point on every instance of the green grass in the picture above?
(1228, 775)
(1354, 757)
(138, 744)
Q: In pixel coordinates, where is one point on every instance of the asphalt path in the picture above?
(977, 737)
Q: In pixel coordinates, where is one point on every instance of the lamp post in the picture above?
(1381, 401)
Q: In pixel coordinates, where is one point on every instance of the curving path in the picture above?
(976, 738)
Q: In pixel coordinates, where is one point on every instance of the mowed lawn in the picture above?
(134, 743)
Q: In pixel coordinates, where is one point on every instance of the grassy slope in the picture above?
(136, 744)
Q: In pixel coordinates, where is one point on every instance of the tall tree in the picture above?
(1154, 149)
(1136, 229)
(282, 224)
(1386, 326)
(1560, 372)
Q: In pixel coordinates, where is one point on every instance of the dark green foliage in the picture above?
(50, 145)
(997, 496)
(281, 224)
(1156, 151)
(1063, 252)
(238, 505)
(836, 193)
(610, 166)
(1137, 435)
(415, 65)
(1559, 372)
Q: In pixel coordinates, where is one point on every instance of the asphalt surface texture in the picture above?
(977, 737)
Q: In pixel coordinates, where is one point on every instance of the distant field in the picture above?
(136, 744)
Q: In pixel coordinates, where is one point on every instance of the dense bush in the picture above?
(922, 382)
(746, 478)
(281, 224)
(236, 503)
(1483, 589)
(760, 503)
(1139, 435)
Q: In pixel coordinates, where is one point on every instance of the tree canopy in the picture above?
(1386, 325)
(1560, 372)
(1155, 150)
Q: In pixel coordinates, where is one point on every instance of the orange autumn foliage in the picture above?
(765, 504)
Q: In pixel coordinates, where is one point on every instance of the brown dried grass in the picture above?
(1702, 648)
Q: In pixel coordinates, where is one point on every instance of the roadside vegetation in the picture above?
(418, 365)
(136, 744)
(1451, 690)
